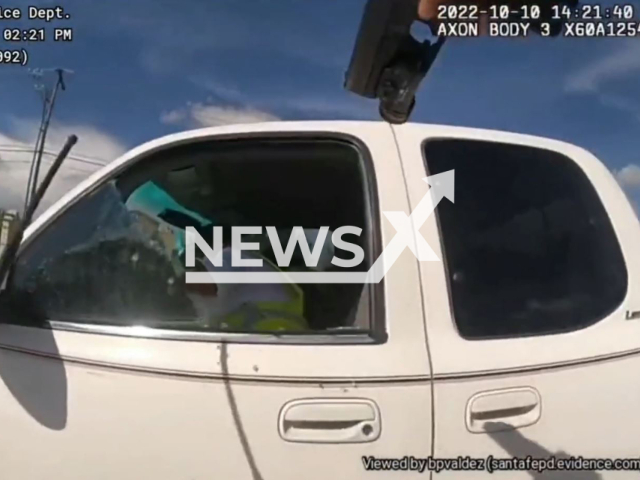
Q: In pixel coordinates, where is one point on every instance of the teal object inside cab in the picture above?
(156, 203)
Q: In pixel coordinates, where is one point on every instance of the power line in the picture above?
(77, 158)
(48, 162)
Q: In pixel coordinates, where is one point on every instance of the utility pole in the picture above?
(47, 112)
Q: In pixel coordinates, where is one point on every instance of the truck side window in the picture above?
(117, 256)
(528, 245)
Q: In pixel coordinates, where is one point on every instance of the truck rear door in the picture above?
(529, 315)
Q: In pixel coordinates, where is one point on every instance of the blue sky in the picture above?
(146, 68)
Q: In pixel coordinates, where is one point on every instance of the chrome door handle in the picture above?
(506, 409)
(330, 421)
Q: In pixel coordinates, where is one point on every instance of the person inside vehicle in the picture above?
(220, 307)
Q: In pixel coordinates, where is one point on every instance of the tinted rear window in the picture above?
(529, 247)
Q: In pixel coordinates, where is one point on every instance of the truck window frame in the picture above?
(376, 334)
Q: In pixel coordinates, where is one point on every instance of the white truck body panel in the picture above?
(130, 403)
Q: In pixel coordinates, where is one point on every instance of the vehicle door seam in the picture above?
(422, 298)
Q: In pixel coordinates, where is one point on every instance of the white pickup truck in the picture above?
(521, 345)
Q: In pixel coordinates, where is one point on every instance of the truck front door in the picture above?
(109, 371)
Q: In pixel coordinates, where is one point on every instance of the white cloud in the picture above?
(171, 38)
(312, 105)
(622, 63)
(620, 102)
(94, 148)
(92, 142)
(226, 92)
(210, 115)
(592, 79)
(629, 176)
(174, 117)
(350, 108)
(629, 179)
(14, 172)
(198, 115)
